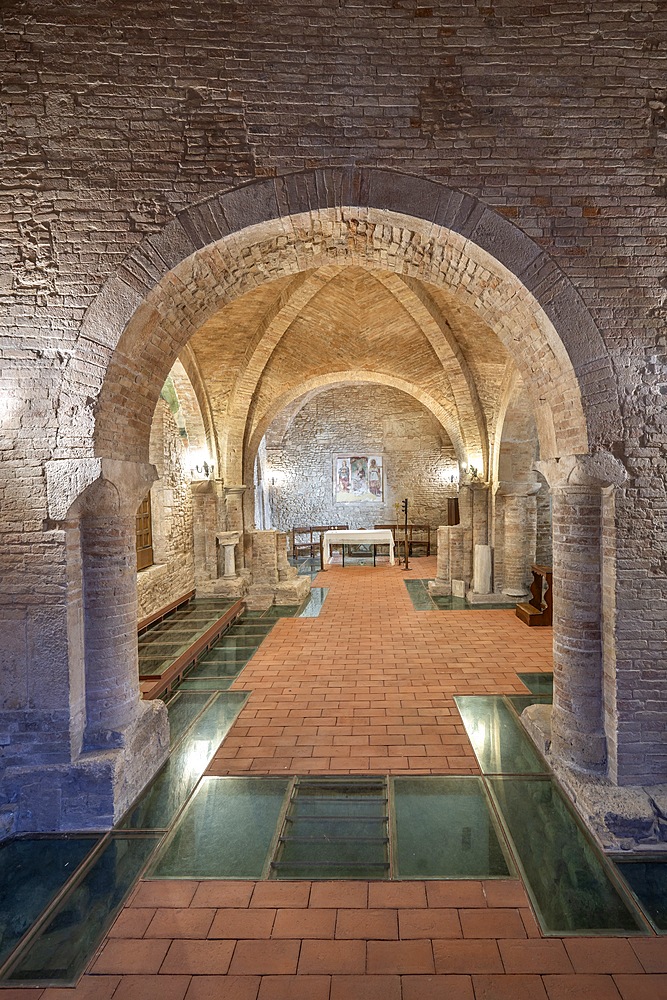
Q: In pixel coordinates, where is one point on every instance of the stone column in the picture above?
(577, 722)
(125, 740)
(234, 507)
(480, 513)
(274, 581)
(474, 522)
(520, 516)
(442, 585)
(205, 524)
(107, 520)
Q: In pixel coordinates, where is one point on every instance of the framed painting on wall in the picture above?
(358, 479)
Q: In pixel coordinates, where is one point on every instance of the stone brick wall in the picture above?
(173, 571)
(361, 420)
(117, 116)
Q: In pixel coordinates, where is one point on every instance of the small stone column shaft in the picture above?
(110, 616)
(519, 550)
(577, 727)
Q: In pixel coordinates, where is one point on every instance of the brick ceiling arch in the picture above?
(380, 220)
(353, 377)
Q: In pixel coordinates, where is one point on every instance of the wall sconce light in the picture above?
(205, 469)
(201, 466)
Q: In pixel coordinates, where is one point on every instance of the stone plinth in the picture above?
(482, 570)
(442, 585)
(274, 581)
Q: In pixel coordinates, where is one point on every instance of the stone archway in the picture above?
(215, 251)
(404, 228)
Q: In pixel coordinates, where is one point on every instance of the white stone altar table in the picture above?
(372, 537)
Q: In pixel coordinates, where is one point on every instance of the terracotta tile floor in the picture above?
(367, 686)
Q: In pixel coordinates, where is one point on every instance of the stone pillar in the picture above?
(520, 516)
(125, 740)
(482, 570)
(577, 723)
(234, 507)
(480, 513)
(442, 585)
(457, 553)
(274, 581)
(228, 541)
(474, 521)
(205, 526)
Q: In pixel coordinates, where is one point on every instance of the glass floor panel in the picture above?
(259, 629)
(154, 667)
(314, 602)
(175, 782)
(648, 881)
(445, 829)
(183, 709)
(219, 654)
(32, 871)
(217, 668)
(226, 831)
(498, 739)
(167, 634)
(335, 828)
(310, 566)
(569, 882)
(538, 683)
(231, 641)
(63, 948)
(521, 701)
(423, 601)
(173, 649)
(282, 611)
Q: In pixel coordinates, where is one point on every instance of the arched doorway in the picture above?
(419, 241)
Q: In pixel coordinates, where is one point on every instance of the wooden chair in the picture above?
(539, 610)
(303, 542)
(420, 536)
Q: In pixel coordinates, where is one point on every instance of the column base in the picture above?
(439, 588)
(621, 818)
(474, 598)
(498, 597)
(231, 587)
(94, 791)
(261, 596)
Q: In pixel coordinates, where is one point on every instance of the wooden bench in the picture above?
(418, 535)
(154, 685)
(539, 610)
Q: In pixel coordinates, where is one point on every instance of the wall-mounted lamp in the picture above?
(201, 466)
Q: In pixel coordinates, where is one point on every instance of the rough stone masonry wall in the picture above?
(115, 116)
(173, 572)
(361, 420)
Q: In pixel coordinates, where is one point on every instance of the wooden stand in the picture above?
(539, 610)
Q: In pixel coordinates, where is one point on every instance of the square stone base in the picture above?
(262, 596)
(94, 791)
(439, 588)
(231, 587)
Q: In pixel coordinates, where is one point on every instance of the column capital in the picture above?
(474, 484)
(234, 490)
(593, 472)
(96, 486)
(228, 537)
(518, 489)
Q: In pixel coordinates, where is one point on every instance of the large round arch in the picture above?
(382, 220)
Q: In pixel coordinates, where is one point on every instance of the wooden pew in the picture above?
(539, 610)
